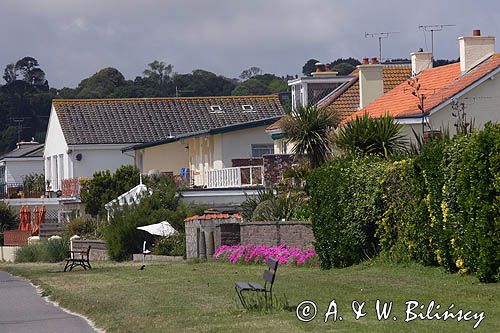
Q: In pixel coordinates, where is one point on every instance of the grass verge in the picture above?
(200, 297)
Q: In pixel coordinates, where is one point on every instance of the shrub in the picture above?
(121, 234)
(85, 227)
(44, 251)
(471, 204)
(8, 218)
(380, 136)
(174, 245)
(345, 205)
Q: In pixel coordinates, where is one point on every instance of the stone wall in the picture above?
(98, 250)
(275, 166)
(291, 233)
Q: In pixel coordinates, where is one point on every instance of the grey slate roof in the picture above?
(142, 120)
(25, 150)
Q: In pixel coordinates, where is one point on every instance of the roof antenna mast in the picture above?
(380, 36)
(432, 28)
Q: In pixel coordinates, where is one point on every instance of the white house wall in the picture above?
(98, 159)
(55, 149)
(16, 170)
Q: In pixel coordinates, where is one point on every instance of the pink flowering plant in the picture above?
(258, 253)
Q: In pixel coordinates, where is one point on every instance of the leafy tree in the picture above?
(380, 136)
(309, 67)
(308, 128)
(30, 71)
(251, 86)
(343, 68)
(102, 84)
(9, 73)
(250, 72)
(105, 187)
(350, 60)
(158, 72)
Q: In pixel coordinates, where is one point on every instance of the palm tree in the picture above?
(379, 136)
(307, 128)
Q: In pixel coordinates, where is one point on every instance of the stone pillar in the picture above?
(210, 244)
(202, 245)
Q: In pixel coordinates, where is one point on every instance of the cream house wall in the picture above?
(217, 151)
(482, 104)
(169, 157)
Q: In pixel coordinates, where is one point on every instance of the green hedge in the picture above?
(345, 205)
(44, 251)
(441, 207)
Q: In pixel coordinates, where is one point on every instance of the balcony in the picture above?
(243, 176)
(21, 191)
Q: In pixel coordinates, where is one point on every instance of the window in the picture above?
(262, 149)
(247, 108)
(215, 109)
(2, 174)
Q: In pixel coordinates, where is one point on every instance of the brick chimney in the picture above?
(323, 70)
(420, 61)
(371, 82)
(475, 49)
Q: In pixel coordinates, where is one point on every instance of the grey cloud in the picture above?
(74, 39)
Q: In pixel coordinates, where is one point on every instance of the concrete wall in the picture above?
(8, 253)
(169, 157)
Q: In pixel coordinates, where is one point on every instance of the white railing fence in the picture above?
(235, 177)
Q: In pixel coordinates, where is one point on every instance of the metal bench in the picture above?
(78, 258)
(267, 289)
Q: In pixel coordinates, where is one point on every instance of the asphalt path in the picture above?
(23, 309)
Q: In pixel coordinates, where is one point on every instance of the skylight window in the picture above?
(247, 108)
(216, 109)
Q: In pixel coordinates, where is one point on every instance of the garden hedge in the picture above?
(440, 207)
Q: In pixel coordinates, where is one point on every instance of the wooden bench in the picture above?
(78, 258)
(269, 275)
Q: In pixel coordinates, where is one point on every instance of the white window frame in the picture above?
(247, 108)
(262, 146)
(216, 109)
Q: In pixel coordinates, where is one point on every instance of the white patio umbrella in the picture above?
(158, 229)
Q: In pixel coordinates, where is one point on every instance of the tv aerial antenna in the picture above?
(432, 28)
(380, 36)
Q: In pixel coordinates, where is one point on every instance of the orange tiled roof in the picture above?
(212, 216)
(438, 84)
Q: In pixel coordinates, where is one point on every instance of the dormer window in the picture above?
(215, 109)
(247, 108)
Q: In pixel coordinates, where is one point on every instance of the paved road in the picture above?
(22, 309)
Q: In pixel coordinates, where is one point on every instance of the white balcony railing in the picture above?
(235, 177)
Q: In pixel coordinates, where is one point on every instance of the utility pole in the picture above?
(432, 28)
(380, 35)
(19, 122)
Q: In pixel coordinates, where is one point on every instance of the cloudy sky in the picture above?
(73, 39)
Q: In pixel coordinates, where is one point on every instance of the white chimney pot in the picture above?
(371, 83)
(474, 50)
(420, 61)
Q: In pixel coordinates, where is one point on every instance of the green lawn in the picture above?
(199, 297)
